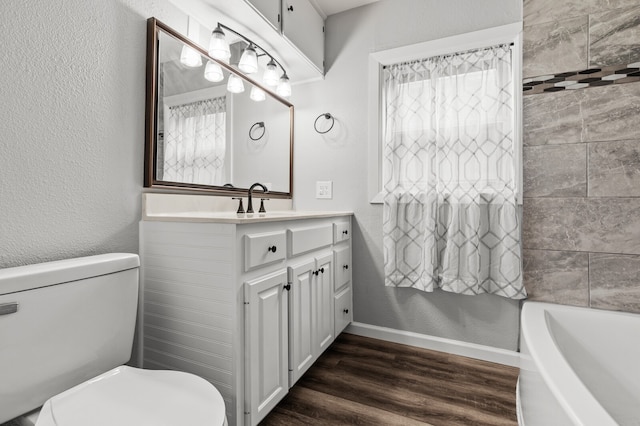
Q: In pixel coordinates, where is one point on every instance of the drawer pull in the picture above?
(272, 249)
(345, 266)
(8, 308)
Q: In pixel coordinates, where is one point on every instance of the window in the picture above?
(474, 170)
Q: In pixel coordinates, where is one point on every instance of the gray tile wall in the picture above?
(581, 215)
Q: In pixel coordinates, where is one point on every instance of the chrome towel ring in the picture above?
(327, 116)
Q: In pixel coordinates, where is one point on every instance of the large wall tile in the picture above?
(553, 118)
(611, 112)
(555, 47)
(615, 282)
(556, 276)
(613, 37)
(601, 225)
(541, 11)
(555, 170)
(614, 169)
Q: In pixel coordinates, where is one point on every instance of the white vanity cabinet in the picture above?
(248, 305)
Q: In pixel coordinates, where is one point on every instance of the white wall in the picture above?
(341, 156)
(72, 125)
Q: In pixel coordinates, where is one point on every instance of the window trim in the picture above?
(511, 33)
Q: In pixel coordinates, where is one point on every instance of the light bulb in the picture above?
(257, 94)
(213, 72)
(218, 46)
(189, 56)
(270, 77)
(249, 60)
(284, 87)
(235, 84)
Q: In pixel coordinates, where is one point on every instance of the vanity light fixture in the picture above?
(189, 56)
(270, 77)
(249, 60)
(257, 94)
(219, 49)
(213, 72)
(235, 84)
(284, 87)
(218, 46)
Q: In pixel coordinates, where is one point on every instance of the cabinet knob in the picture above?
(287, 287)
(322, 270)
(346, 311)
(290, 8)
(316, 272)
(345, 232)
(345, 266)
(272, 249)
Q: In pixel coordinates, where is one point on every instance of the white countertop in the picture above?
(232, 217)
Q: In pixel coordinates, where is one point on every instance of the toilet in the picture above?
(66, 329)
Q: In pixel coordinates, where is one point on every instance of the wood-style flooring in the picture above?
(363, 381)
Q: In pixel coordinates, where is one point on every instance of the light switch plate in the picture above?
(324, 189)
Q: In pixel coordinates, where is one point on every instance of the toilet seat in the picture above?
(132, 396)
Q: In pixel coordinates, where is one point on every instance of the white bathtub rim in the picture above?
(557, 373)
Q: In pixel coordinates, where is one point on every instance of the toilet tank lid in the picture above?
(28, 277)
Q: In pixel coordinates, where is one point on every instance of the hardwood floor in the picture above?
(363, 381)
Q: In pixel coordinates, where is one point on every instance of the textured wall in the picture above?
(72, 126)
(341, 156)
(581, 227)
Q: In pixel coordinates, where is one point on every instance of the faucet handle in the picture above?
(240, 206)
(261, 209)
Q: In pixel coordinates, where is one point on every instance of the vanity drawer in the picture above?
(342, 266)
(263, 249)
(343, 313)
(341, 232)
(302, 240)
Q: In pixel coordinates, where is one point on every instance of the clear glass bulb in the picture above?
(218, 46)
(284, 87)
(249, 60)
(190, 57)
(213, 72)
(270, 77)
(257, 94)
(235, 84)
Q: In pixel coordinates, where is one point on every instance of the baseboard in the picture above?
(456, 347)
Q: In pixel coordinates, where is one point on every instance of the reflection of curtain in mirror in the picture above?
(195, 142)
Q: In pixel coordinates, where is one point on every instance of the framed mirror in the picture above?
(209, 127)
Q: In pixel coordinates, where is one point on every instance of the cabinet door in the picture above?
(324, 303)
(266, 334)
(270, 9)
(301, 320)
(304, 27)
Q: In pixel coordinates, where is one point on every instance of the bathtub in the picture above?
(579, 366)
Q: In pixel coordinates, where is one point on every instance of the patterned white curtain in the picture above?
(195, 143)
(450, 212)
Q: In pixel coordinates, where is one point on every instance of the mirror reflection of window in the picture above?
(195, 142)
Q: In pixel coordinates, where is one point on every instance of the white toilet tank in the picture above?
(62, 323)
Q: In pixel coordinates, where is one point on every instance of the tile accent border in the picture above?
(592, 77)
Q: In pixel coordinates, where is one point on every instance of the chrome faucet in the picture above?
(250, 204)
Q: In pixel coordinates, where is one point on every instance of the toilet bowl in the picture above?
(67, 329)
(131, 396)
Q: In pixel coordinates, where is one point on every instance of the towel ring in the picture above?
(260, 125)
(327, 116)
